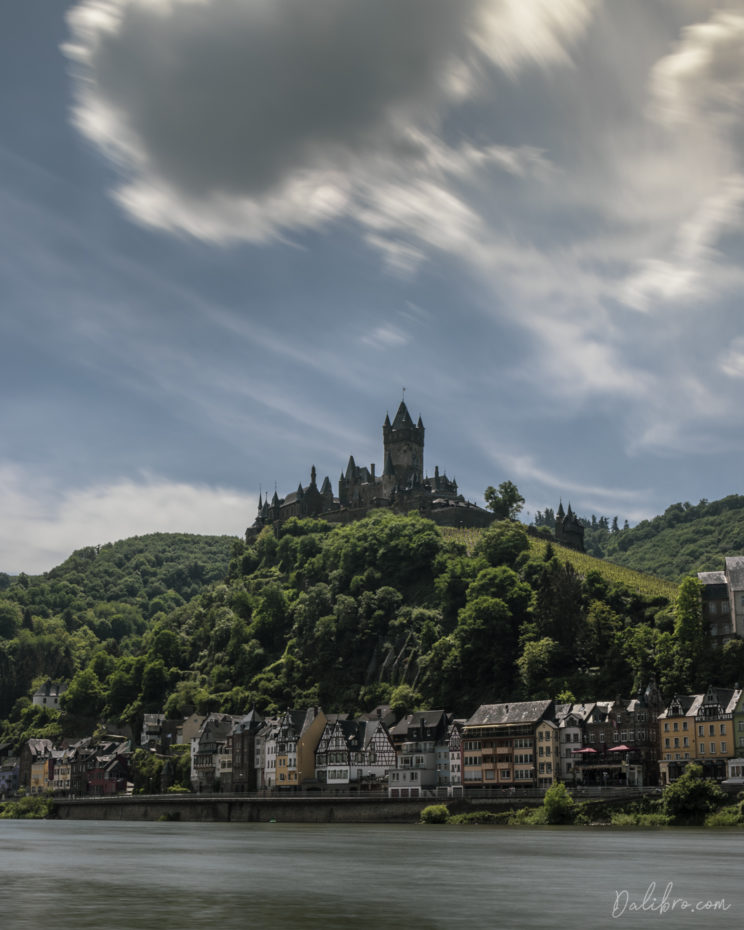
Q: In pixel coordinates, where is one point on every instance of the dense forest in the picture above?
(685, 538)
(383, 610)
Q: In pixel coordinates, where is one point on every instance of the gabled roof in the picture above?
(688, 704)
(430, 719)
(515, 712)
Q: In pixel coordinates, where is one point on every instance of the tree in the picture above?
(84, 695)
(691, 797)
(502, 543)
(558, 804)
(403, 700)
(534, 665)
(506, 502)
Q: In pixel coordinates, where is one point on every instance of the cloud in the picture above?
(385, 337)
(731, 362)
(44, 527)
(703, 78)
(233, 119)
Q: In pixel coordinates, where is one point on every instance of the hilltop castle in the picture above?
(401, 487)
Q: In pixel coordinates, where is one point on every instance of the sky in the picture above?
(232, 232)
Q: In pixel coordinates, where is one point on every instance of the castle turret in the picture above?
(404, 449)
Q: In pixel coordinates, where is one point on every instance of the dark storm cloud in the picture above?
(234, 119)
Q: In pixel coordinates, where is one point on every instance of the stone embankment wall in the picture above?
(299, 809)
(242, 809)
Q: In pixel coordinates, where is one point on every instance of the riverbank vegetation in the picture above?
(691, 800)
(27, 807)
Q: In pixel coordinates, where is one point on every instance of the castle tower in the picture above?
(404, 450)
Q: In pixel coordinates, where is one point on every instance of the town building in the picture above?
(242, 744)
(722, 596)
(500, 744)
(416, 738)
(698, 728)
(48, 694)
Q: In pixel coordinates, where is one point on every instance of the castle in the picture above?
(401, 487)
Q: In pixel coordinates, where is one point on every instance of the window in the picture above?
(723, 729)
(701, 730)
(684, 724)
(723, 748)
(711, 729)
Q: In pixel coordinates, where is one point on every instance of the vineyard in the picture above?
(647, 585)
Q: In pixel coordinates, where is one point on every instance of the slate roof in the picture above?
(686, 701)
(512, 713)
(709, 578)
(402, 418)
(429, 719)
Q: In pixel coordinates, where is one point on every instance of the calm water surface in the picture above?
(124, 876)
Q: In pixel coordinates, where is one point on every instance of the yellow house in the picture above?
(296, 740)
(42, 775)
(714, 730)
(697, 728)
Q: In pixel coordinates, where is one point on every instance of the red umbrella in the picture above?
(621, 748)
(586, 749)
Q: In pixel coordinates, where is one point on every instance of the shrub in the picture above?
(558, 804)
(690, 798)
(481, 817)
(728, 817)
(30, 807)
(528, 815)
(435, 813)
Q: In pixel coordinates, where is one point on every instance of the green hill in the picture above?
(685, 539)
(387, 609)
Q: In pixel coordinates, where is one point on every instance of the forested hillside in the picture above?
(385, 609)
(686, 538)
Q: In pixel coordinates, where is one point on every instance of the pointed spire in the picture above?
(313, 476)
(387, 419)
(402, 417)
(420, 424)
(561, 512)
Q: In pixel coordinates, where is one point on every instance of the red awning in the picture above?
(621, 748)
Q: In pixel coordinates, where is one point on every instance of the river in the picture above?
(124, 876)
